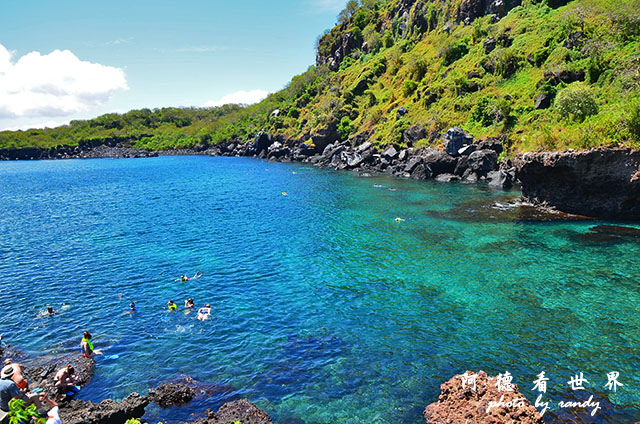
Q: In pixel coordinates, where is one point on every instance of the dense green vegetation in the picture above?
(422, 58)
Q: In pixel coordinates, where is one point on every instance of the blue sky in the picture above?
(63, 60)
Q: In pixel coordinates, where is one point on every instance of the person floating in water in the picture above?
(132, 307)
(183, 277)
(50, 310)
(189, 303)
(204, 313)
(171, 306)
(86, 345)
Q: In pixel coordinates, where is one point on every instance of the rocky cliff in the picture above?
(603, 183)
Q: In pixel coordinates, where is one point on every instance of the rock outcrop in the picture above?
(603, 183)
(480, 403)
(240, 410)
(106, 412)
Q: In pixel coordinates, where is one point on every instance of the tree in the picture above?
(348, 11)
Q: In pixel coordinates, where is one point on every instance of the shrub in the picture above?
(576, 102)
(408, 87)
(453, 51)
(417, 67)
(19, 414)
(345, 128)
(294, 112)
(379, 67)
(388, 38)
(346, 62)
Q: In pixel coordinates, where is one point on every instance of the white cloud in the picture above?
(239, 97)
(54, 85)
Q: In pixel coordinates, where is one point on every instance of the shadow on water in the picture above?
(605, 235)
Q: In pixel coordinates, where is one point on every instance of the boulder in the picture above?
(237, 411)
(401, 112)
(364, 146)
(440, 162)
(412, 164)
(325, 136)
(455, 139)
(467, 150)
(479, 403)
(483, 161)
(489, 45)
(491, 143)
(414, 133)
(390, 153)
(171, 394)
(421, 172)
(543, 101)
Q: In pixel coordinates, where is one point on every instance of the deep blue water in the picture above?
(325, 309)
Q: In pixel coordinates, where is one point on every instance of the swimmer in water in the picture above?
(171, 306)
(204, 313)
(132, 307)
(189, 303)
(183, 277)
(400, 219)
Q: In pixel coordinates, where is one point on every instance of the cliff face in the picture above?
(601, 183)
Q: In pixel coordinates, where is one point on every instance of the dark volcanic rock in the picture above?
(543, 101)
(601, 183)
(240, 410)
(455, 139)
(171, 394)
(483, 161)
(106, 412)
(415, 133)
(489, 45)
(325, 136)
(41, 371)
(458, 404)
(440, 162)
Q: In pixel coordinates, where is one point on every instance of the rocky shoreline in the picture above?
(483, 404)
(600, 183)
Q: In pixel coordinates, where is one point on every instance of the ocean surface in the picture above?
(326, 309)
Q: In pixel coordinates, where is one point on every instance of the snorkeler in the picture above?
(171, 306)
(204, 312)
(189, 303)
(183, 277)
(86, 345)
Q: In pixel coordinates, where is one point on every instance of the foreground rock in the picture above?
(240, 410)
(602, 183)
(171, 394)
(106, 412)
(458, 404)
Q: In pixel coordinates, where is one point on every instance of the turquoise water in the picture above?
(325, 309)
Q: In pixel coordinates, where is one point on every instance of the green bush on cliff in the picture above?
(576, 102)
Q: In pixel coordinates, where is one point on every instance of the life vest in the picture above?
(173, 306)
(89, 344)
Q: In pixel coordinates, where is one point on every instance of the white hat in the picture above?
(7, 372)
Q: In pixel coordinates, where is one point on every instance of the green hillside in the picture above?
(540, 74)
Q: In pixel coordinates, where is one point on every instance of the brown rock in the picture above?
(480, 406)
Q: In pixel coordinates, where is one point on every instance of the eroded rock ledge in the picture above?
(603, 183)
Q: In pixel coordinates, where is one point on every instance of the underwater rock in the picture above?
(171, 394)
(240, 410)
(480, 403)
